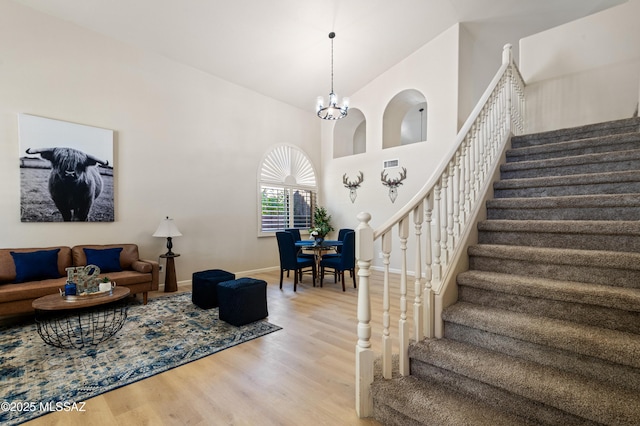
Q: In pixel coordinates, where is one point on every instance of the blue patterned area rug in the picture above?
(36, 378)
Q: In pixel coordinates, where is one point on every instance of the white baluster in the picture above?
(364, 354)
(473, 163)
(476, 159)
(450, 205)
(464, 189)
(481, 144)
(494, 135)
(457, 191)
(403, 325)
(509, 116)
(418, 319)
(428, 294)
(437, 250)
(386, 320)
(443, 218)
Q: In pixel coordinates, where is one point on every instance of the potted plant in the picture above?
(321, 224)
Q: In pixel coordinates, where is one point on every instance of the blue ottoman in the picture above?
(205, 287)
(242, 301)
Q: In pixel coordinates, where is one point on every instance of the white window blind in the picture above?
(287, 190)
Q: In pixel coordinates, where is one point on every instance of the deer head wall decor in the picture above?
(393, 184)
(353, 185)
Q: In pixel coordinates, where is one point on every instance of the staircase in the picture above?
(546, 329)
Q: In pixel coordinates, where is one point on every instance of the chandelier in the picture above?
(333, 111)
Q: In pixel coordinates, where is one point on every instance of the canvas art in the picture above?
(66, 171)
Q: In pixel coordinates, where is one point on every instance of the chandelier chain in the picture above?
(332, 65)
(333, 110)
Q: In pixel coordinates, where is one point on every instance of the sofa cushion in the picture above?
(108, 260)
(8, 268)
(29, 290)
(129, 277)
(128, 255)
(36, 265)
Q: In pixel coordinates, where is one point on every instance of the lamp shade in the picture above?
(167, 229)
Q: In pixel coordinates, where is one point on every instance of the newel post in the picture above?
(507, 56)
(364, 354)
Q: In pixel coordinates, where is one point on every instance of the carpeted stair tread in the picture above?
(603, 200)
(613, 235)
(580, 184)
(580, 306)
(612, 161)
(627, 176)
(575, 394)
(567, 291)
(594, 258)
(614, 374)
(615, 268)
(591, 227)
(498, 398)
(618, 142)
(610, 345)
(625, 125)
(566, 207)
(432, 404)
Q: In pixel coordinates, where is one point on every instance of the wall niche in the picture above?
(405, 119)
(350, 134)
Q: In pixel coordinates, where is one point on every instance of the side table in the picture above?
(170, 281)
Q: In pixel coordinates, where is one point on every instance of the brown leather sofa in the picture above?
(140, 276)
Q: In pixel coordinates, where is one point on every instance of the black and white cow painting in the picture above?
(66, 171)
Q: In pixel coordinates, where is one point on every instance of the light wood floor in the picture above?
(301, 375)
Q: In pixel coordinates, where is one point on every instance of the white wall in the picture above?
(479, 62)
(433, 71)
(585, 71)
(187, 144)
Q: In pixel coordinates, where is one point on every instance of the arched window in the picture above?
(287, 190)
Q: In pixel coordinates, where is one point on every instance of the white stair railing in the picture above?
(442, 214)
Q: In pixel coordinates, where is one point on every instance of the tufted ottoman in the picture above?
(242, 301)
(205, 287)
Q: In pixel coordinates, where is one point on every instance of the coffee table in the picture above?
(67, 322)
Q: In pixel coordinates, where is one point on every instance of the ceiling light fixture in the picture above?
(333, 111)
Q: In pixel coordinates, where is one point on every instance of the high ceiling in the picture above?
(280, 48)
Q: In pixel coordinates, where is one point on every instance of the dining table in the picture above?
(318, 247)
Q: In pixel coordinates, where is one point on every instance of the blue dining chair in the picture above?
(341, 233)
(346, 261)
(295, 232)
(290, 261)
(296, 237)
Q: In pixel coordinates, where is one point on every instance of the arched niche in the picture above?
(350, 134)
(405, 119)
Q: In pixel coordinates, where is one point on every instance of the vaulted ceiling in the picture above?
(280, 48)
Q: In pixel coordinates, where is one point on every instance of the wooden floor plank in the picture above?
(303, 374)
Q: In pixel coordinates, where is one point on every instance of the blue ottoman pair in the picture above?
(241, 301)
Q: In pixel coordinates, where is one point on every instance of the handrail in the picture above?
(444, 207)
(464, 130)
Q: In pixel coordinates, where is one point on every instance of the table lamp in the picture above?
(169, 230)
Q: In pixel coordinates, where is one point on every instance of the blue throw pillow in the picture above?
(108, 260)
(36, 265)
